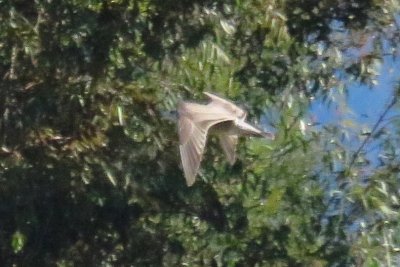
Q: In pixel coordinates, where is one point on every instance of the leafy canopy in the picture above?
(90, 170)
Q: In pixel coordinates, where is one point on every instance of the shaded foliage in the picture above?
(90, 171)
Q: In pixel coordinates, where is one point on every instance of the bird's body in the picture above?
(220, 117)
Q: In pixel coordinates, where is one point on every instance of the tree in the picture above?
(90, 170)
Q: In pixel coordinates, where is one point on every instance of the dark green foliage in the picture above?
(89, 168)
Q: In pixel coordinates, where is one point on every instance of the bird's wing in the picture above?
(228, 143)
(194, 122)
(192, 142)
(228, 107)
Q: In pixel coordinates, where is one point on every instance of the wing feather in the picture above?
(228, 144)
(192, 150)
(194, 122)
(227, 106)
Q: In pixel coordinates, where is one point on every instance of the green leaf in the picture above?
(18, 241)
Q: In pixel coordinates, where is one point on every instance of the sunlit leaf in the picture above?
(18, 241)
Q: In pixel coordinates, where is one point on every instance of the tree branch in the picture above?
(374, 128)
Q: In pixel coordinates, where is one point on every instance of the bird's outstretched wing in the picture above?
(226, 106)
(194, 122)
(192, 142)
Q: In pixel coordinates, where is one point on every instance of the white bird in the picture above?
(220, 117)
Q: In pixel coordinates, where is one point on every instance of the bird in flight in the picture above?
(220, 117)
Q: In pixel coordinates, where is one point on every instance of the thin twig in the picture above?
(376, 126)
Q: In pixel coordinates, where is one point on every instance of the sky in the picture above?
(362, 106)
